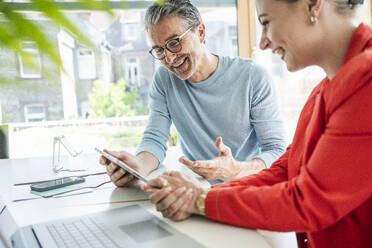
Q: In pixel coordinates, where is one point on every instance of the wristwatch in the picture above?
(200, 202)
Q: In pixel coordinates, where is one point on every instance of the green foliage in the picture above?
(125, 138)
(115, 100)
(15, 27)
(160, 2)
(173, 139)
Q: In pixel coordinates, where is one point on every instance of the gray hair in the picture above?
(181, 8)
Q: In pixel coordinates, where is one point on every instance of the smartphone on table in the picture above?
(122, 165)
(56, 183)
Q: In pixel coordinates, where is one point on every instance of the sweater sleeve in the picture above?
(276, 173)
(265, 117)
(335, 181)
(156, 134)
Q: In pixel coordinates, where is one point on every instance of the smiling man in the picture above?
(207, 97)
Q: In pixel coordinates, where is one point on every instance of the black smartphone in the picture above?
(56, 183)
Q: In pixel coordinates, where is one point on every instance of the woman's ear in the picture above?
(314, 7)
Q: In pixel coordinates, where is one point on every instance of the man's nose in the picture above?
(169, 56)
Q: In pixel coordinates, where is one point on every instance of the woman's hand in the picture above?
(174, 194)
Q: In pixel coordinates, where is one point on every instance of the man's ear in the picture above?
(201, 32)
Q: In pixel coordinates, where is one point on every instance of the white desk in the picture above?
(23, 213)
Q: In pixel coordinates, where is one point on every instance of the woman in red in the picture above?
(321, 187)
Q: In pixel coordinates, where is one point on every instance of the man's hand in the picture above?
(118, 175)
(222, 167)
(174, 195)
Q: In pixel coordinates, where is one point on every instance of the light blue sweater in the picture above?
(237, 102)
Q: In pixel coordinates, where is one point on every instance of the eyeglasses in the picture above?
(172, 45)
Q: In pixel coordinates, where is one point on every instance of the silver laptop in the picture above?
(130, 226)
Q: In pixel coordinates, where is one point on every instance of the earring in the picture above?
(313, 18)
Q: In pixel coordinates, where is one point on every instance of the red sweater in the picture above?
(322, 185)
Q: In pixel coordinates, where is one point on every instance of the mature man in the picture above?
(206, 97)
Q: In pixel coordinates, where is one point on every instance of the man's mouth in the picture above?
(179, 62)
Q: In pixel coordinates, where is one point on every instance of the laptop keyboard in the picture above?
(84, 232)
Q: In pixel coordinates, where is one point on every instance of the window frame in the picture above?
(126, 30)
(246, 36)
(22, 66)
(27, 115)
(129, 68)
(92, 64)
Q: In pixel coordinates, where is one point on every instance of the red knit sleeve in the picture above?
(336, 180)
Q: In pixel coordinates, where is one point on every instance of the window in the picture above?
(30, 62)
(130, 31)
(131, 70)
(87, 65)
(88, 100)
(34, 112)
(233, 33)
(294, 87)
(131, 22)
(221, 30)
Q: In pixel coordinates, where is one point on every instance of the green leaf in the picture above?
(104, 5)
(24, 29)
(160, 2)
(49, 9)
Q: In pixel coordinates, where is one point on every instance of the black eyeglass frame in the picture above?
(178, 39)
